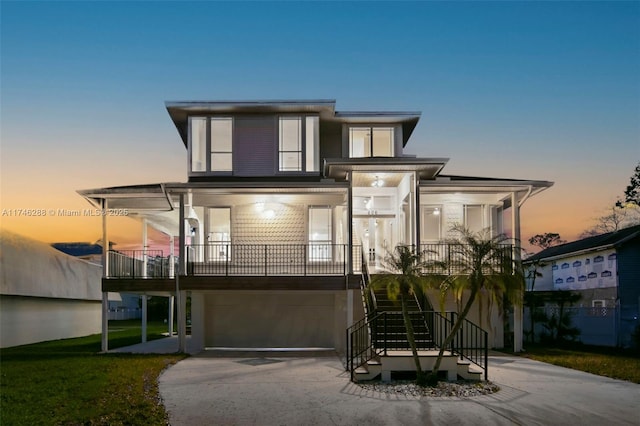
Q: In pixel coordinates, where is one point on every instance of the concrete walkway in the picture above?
(269, 389)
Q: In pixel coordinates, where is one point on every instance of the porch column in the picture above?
(172, 273)
(350, 224)
(416, 219)
(181, 304)
(144, 275)
(517, 310)
(171, 307)
(105, 274)
(349, 308)
(172, 266)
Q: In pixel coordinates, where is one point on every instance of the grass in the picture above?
(609, 362)
(69, 382)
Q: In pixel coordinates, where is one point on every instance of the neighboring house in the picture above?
(45, 294)
(605, 271)
(121, 305)
(283, 203)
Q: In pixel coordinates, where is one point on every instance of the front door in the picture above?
(377, 236)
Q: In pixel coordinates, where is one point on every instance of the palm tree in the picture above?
(483, 266)
(405, 279)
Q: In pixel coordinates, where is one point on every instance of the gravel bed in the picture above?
(462, 389)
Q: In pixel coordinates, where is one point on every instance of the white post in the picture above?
(172, 271)
(180, 299)
(171, 304)
(105, 274)
(518, 309)
(144, 275)
(349, 308)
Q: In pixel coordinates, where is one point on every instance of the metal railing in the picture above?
(360, 344)
(455, 253)
(368, 339)
(131, 264)
(268, 259)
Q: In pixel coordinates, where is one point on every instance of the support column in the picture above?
(517, 310)
(416, 219)
(145, 261)
(171, 307)
(144, 318)
(172, 273)
(349, 308)
(105, 274)
(350, 224)
(180, 297)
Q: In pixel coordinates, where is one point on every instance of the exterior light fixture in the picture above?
(377, 182)
(436, 211)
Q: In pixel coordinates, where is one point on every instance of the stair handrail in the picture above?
(361, 344)
(471, 342)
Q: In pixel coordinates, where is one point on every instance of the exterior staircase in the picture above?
(391, 332)
(389, 348)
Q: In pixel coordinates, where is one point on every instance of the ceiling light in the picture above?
(377, 182)
(436, 211)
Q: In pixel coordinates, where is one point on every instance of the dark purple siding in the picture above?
(255, 146)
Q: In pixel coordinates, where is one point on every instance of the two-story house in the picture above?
(604, 270)
(284, 202)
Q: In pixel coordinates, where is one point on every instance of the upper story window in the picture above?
(198, 137)
(221, 144)
(215, 136)
(371, 142)
(298, 144)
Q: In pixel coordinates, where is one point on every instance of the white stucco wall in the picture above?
(25, 320)
(45, 294)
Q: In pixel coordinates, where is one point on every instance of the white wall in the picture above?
(25, 320)
(45, 293)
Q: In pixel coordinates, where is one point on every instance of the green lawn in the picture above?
(68, 382)
(608, 362)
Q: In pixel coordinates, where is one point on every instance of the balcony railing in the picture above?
(131, 264)
(452, 255)
(270, 259)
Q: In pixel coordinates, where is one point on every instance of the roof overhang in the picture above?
(179, 111)
(136, 197)
(479, 184)
(426, 168)
(408, 120)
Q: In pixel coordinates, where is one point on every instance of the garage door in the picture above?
(268, 320)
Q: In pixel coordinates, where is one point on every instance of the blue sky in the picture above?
(534, 90)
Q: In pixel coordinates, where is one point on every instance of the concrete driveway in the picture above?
(260, 389)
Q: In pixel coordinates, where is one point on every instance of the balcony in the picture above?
(456, 253)
(238, 260)
(140, 264)
(271, 259)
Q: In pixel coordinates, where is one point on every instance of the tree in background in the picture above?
(558, 325)
(531, 300)
(632, 193)
(623, 214)
(546, 240)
